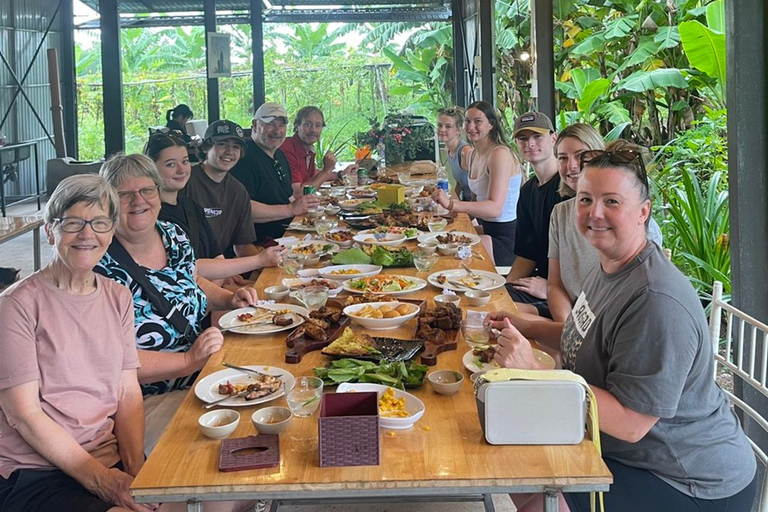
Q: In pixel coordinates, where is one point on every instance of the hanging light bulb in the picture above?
(525, 56)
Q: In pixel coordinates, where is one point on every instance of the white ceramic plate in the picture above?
(319, 247)
(380, 324)
(297, 283)
(230, 320)
(413, 405)
(343, 245)
(392, 229)
(487, 280)
(363, 271)
(416, 284)
(472, 366)
(207, 388)
(298, 226)
(362, 192)
(383, 239)
(432, 237)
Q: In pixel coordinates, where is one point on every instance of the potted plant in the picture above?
(405, 138)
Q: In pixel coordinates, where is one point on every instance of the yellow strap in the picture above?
(593, 424)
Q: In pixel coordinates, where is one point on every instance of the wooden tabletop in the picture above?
(11, 227)
(444, 452)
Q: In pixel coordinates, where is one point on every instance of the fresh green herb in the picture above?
(398, 375)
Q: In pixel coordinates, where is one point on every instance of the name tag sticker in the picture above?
(583, 317)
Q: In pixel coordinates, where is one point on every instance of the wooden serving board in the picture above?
(432, 349)
(297, 347)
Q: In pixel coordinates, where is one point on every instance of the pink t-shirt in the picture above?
(76, 348)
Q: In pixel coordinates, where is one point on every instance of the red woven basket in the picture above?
(349, 429)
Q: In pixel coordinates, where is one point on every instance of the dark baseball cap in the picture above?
(535, 121)
(223, 130)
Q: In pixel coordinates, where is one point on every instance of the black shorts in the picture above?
(503, 237)
(636, 489)
(47, 490)
(522, 297)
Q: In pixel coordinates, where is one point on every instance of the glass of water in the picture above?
(292, 263)
(314, 297)
(303, 396)
(436, 224)
(324, 225)
(424, 261)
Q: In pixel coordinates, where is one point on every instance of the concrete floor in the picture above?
(18, 254)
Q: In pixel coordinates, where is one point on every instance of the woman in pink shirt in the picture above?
(72, 428)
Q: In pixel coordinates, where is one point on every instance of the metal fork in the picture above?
(248, 370)
(469, 272)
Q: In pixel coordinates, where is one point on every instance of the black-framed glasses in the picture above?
(175, 135)
(76, 224)
(278, 169)
(616, 157)
(146, 193)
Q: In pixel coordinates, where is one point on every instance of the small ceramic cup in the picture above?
(277, 293)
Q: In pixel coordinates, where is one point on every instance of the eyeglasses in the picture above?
(76, 224)
(278, 169)
(175, 135)
(146, 193)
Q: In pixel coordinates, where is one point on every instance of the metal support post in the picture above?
(459, 54)
(209, 14)
(68, 76)
(487, 51)
(257, 48)
(112, 77)
(543, 56)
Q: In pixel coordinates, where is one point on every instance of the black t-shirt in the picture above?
(205, 245)
(533, 211)
(268, 181)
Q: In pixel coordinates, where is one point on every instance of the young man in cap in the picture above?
(299, 150)
(224, 199)
(266, 174)
(527, 280)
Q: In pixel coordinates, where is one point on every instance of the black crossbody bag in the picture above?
(155, 297)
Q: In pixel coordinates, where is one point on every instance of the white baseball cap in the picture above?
(267, 112)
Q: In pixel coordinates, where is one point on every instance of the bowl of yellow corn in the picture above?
(397, 409)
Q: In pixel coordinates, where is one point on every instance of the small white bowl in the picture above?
(445, 298)
(445, 382)
(380, 324)
(477, 297)
(427, 247)
(315, 214)
(447, 249)
(311, 260)
(342, 245)
(350, 205)
(277, 293)
(271, 420)
(219, 424)
(332, 210)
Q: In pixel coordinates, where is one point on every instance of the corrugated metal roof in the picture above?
(171, 6)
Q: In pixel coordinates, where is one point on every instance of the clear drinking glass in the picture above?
(314, 297)
(436, 224)
(324, 225)
(304, 395)
(424, 261)
(477, 333)
(404, 178)
(292, 263)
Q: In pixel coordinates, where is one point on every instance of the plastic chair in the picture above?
(740, 357)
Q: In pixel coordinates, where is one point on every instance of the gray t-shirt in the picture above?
(577, 256)
(641, 334)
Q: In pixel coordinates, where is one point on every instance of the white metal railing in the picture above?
(739, 357)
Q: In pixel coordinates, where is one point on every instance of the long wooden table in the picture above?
(12, 227)
(444, 454)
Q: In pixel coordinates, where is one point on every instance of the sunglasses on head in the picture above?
(174, 135)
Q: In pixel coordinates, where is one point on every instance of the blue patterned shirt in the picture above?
(177, 282)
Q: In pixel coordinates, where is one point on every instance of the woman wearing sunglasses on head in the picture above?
(156, 261)
(639, 337)
(169, 153)
(72, 417)
(494, 178)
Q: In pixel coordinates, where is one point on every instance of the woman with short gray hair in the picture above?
(72, 429)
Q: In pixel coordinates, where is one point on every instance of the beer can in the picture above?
(309, 189)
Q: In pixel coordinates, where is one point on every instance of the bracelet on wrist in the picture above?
(450, 205)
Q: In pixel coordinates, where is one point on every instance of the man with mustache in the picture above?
(266, 174)
(299, 150)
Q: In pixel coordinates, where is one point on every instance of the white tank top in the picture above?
(480, 187)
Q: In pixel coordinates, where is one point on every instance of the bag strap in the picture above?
(155, 297)
(194, 229)
(593, 424)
